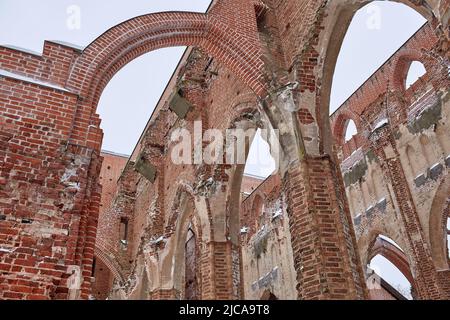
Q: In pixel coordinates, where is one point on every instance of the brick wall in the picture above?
(248, 60)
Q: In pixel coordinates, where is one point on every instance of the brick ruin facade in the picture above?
(78, 223)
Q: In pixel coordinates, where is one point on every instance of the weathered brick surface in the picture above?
(254, 64)
(398, 168)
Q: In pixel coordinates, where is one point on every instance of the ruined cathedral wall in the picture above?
(266, 244)
(415, 122)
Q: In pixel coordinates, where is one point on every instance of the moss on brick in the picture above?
(426, 119)
(357, 172)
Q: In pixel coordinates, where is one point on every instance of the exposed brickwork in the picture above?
(254, 64)
(381, 163)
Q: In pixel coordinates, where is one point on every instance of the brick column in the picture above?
(323, 240)
(164, 294)
(219, 264)
(425, 275)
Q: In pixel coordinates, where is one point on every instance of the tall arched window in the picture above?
(372, 37)
(389, 263)
(260, 162)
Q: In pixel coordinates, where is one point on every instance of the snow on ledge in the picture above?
(34, 53)
(67, 44)
(277, 214)
(381, 200)
(380, 124)
(157, 241)
(7, 74)
(435, 165)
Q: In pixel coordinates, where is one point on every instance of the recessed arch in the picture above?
(400, 71)
(442, 134)
(188, 212)
(393, 253)
(246, 116)
(341, 126)
(414, 166)
(116, 47)
(257, 209)
(440, 210)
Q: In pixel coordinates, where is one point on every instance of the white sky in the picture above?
(375, 33)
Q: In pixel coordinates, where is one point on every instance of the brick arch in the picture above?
(401, 68)
(339, 15)
(109, 261)
(243, 105)
(121, 44)
(394, 255)
(339, 126)
(440, 211)
(234, 185)
(177, 217)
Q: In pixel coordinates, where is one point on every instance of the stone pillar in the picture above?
(164, 294)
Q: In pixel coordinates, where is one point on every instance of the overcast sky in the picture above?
(376, 32)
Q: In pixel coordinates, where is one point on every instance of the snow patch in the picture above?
(68, 44)
(380, 124)
(159, 240)
(4, 73)
(244, 229)
(277, 214)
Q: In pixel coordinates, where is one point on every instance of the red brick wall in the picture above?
(50, 152)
